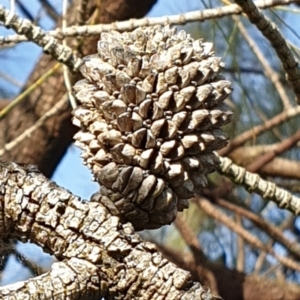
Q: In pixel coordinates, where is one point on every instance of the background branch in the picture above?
(271, 32)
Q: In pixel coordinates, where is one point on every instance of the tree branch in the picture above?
(246, 287)
(180, 19)
(272, 33)
(192, 241)
(50, 10)
(35, 209)
(278, 149)
(211, 210)
(277, 167)
(267, 227)
(259, 129)
(65, 280)
(61, 53)
(269, 72)
(253, 183)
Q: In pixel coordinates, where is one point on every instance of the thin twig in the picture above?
(189, 236)
(275, 233)
(280, 148)
(10, 79)
(67, 79)
(211, 210)
(272, 33)
(32, 87)
(131, 24)
(259, 129)
(41, 121)
(254, 183)
(259, 262)
(191, 240)
(12, 6)
(35, 34)
(240, 257)
(31, 266)
(50, 10)
(268, 70)
(81, 12)
(25, 11)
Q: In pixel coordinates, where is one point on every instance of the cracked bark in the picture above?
(75, 278)
(117, 264)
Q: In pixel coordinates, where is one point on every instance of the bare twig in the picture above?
(81, 11)
(268, 70)
(35, 34)
(211, 210)
(272, 33)
(259, 262)
(254, 183)
(50, 10)
(277, 167)
(22, 96)
(259, 129)
(31, 266)
(191, 240)
(55, 109)
(12, 6)
(25, 11)
(188, 236)
(281, 147)
(240, 260)
(67, 79)
(129, 25)
(10, 79)
(275, 233)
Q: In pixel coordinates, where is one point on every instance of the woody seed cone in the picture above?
(150, 115)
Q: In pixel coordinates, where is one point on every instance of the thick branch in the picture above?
(36, 209)
(75, 278)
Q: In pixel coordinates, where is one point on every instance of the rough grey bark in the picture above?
(117, 262)
(75, 278)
